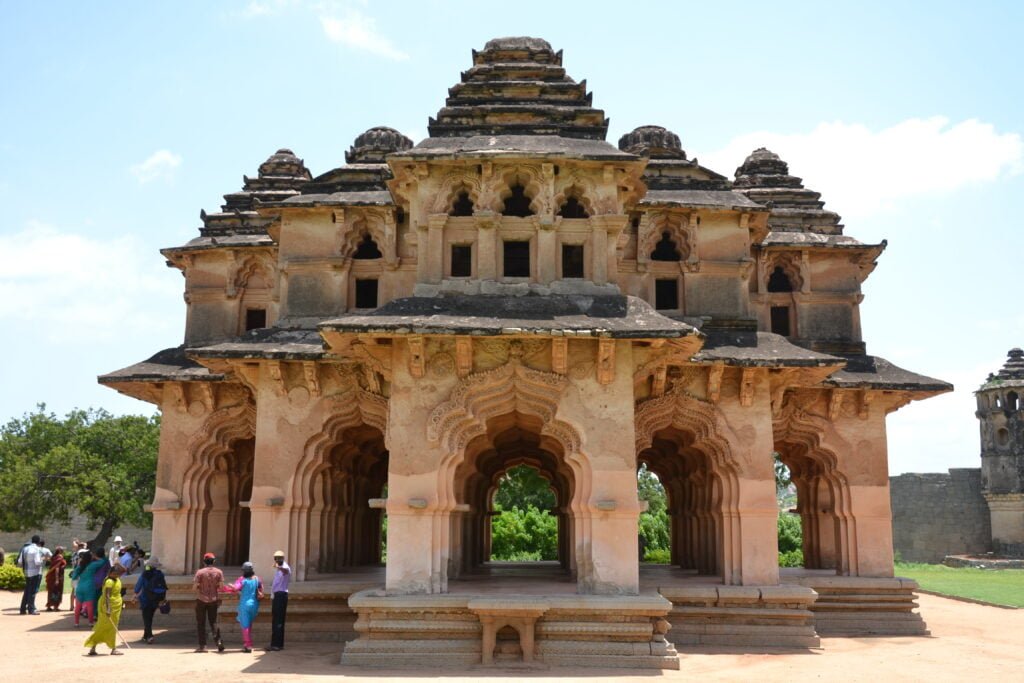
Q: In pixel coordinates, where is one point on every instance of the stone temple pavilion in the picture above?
(389, 337)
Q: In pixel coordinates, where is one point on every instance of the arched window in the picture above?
(1012, 401)
(572, 208)
(666, 249)
(778, 281)
(517, 203)
(463, 205)
(367, 249)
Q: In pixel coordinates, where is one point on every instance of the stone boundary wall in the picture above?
(62, 534)
(936, 514)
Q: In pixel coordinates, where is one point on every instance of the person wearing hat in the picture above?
(207, 585)
(279, 601)
(150, 591)
(115, 550)
(250, 592)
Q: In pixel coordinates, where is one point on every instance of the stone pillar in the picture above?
(605, 523)
(435, 248)
(486, 246)
(750, 548)
(547, 251)
(599, 258)
(863, 459)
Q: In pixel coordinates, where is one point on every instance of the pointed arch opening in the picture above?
(666, 249)
(517, 203)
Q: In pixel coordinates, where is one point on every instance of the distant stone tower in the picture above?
(1001, 412)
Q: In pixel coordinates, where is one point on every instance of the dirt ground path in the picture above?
(968, 642)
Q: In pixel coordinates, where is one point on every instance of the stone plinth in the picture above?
(554, 630)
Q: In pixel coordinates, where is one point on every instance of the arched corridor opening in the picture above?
(338, 528)
(513, 443)
(694, 495)
(226, 516)
(821, 501)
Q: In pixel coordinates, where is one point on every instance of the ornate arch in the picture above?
(680, 409)
(675, 224)
(213, 440)
(481, 396)
(354, 232)
(798, 426)
(583, 189)
(789, 262)
(245, 269)
(533, 183)
(352, 408)
(454, 183)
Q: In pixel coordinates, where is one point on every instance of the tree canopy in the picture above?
(89, 462)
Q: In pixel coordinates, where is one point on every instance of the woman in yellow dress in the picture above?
(108, 608)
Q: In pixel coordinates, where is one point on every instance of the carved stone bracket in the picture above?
(417, 357)
(309, 371)
(715, 373)
(275, 371)
(747, 384)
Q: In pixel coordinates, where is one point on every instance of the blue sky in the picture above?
(119, 122)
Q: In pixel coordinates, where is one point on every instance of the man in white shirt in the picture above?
(115, 550)
(32, 564)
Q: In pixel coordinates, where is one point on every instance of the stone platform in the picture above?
(530, 615)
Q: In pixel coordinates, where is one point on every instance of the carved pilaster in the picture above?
(463, 356)
(606, 361)
(309, 371)
(560, 355)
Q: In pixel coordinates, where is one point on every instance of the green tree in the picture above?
(653, 524)
(522, 486)
(90, 462)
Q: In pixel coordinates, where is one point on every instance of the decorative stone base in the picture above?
(857, 606)
(553, 630)
(742, 616)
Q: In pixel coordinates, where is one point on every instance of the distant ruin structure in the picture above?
(391, 336)
(971, 511)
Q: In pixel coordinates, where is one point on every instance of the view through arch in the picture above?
(523, 528)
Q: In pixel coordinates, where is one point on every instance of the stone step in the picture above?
(739, 629)
(763, 641)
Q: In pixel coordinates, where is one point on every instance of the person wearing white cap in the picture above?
(150, 591)
(115, 550)
(279, 601)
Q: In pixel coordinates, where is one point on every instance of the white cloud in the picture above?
(160, 165)
(359, 32)
(66, 286)
(860, 171)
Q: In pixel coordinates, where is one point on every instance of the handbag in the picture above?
(164, 607)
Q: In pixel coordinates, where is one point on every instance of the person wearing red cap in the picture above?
(207, 585)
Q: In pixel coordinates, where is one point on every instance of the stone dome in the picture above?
(655, 142)
(511, 43)
(762, 161)
(283, 163)
(372, 146)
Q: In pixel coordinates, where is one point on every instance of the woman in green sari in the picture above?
(109, 609)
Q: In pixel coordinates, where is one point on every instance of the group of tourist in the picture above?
(98, 594)
(208, 585)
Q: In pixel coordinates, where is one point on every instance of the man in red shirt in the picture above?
(206, 584)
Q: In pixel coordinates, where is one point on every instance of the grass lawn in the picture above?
(1001, 586)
